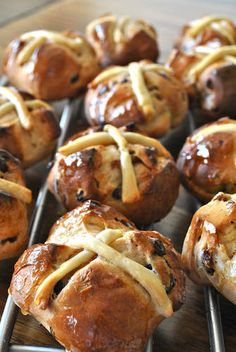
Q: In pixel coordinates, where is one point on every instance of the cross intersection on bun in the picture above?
(145, 94)
(50, 65)
(98, 283)
(121, 40)
(129, 171)
(205, 60)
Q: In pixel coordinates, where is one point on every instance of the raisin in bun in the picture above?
(98, 283)
(144, 93)
(211, 31)
(28, 126)
(209, 247)
(207, 160)
(121, 40)
(13, 212)
(126, 170)
(50, 65)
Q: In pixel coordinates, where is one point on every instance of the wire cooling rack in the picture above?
(10, 311)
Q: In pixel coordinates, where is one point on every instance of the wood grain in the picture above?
(187, 330)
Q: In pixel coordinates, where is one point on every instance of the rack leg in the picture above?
(214, 320)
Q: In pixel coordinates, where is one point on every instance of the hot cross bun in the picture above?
(144, 93)
(28, 126)
(210, 245)
(98, 283)
(13, 212)
(50, 65)
(119, 40)
(126, 170)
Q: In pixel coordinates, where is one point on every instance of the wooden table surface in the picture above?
(188, 328)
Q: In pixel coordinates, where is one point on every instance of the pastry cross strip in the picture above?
(120, 25)
(36, 38)
(101, 245)
(210, 56)
(220, 24)
(136, 71)
(111, 135)
(11, 100)
(15, 190)
(212, 129)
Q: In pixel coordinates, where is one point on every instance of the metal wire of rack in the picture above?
(211, 298)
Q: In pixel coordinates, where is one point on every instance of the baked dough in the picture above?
(50, 65)
(132, 172)
(14, 197)
(116, 282)
(28, 127)
(119, 40)
(207, 161)
(210, 244)
(145, 94)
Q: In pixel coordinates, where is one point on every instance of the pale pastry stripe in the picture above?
(15, 190)
(108, 74)
(140, 89)
(225, 32)
(32, 104)
(221, 128)
(27, 51)
(98, 21)
(118, 33)
(149, 280)
(216, 55)
(54, 37)
(20, 106)
(103, 138)
(44, 290)
(198, 25)
(37, 38)
(136, 73)
(130, 191)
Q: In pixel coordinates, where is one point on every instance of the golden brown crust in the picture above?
(13, 213)
(211, 93)
(207, 165)
(54, 71)
(95, 173)
(207, 37)
(91, 308)
(209, 247)
(31, 145)
(138, 40)
(114, 101)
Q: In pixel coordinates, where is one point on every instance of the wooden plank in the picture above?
(167, 16)
(12, 10)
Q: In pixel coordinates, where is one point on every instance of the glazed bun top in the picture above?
(120, 40)
(143, 93)
(212, 31)
(207, 159)
(209, 248)
(50, 65)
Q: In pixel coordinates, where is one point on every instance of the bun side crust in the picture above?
(13, 212)
(53, 72)
(98, 306)
(95, 173)
(207, 165)
(134, 46)
(209, 246)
